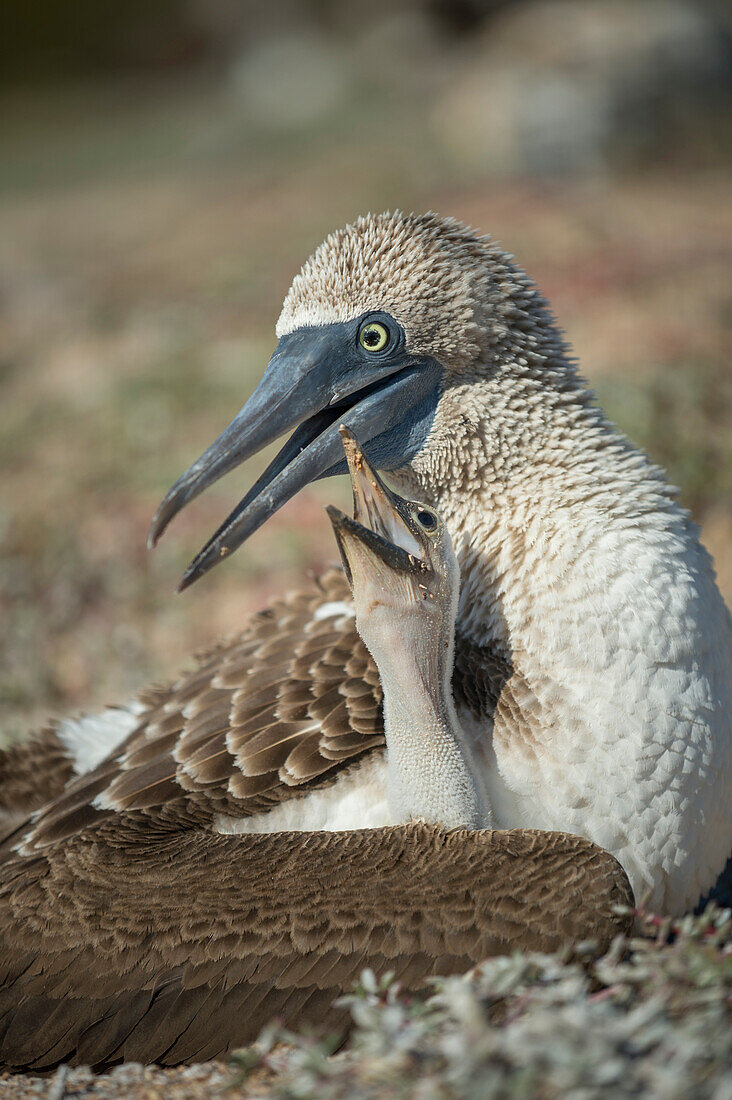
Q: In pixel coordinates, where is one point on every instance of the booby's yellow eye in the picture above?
(373, 336)
(426, 519)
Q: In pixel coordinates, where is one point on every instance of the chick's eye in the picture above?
(427, 520)
(373, 336)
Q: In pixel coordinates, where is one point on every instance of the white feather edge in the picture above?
(90, 738)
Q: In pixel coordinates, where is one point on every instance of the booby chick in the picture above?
(593, 657)
(142, 937)
(405, 580)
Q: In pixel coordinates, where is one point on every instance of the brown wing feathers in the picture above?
(273, 924)
(31, 773)
(273, 713)
(276, 712)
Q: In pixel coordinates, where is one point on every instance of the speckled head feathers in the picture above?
(453, 292)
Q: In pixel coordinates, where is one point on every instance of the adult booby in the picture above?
(141, 937)
(593, 649)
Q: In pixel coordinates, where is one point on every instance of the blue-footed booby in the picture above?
(593, 651)
(139, 936)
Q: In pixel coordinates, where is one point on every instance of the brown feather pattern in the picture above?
(31, 773)
(276, 712)
(201, 939)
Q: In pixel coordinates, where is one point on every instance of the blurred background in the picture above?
(165, 169)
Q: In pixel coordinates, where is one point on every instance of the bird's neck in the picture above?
(541, 495)
(431, 772)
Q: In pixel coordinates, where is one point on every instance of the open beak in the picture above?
(312, 384)
(378, 529)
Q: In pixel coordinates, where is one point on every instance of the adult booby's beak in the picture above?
(381, 527)
(316, 379)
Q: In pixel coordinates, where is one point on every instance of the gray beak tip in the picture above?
(212, 553)
(160, 521)
(187, 580)
(172, 503)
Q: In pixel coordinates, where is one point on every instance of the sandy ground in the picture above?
(132, 1082)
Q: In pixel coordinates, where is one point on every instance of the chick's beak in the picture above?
(374, 504)
(377, 535)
